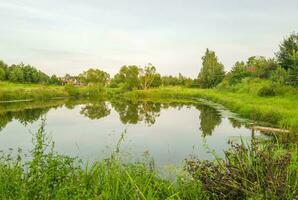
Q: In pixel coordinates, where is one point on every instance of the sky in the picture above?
(70, 36)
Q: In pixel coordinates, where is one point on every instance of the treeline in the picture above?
(21, 73)
(283, 69)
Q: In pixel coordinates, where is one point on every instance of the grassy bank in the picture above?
(279, 110)
(14, 91)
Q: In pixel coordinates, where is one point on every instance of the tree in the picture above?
(2, 74)
(16, 74)
(147, 76)
(3, 70)
(127, 78)
(293, 69)
(55, 80)
(287, 49)
(261, 67)
(95, 77)
(238, 72)
(212, 72)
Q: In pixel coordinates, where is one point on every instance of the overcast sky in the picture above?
(69, 36)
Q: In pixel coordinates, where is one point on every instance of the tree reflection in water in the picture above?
(130, 112)
(209, 119)
(96, 110)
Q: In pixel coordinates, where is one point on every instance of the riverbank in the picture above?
(280, 110)
(13, 92)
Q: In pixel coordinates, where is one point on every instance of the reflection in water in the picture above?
(130, 112)
(25, 117)
(235, 123)
(96, 110)
(171, 140)
(209, 119)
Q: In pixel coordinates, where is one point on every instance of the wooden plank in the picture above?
(269, 129)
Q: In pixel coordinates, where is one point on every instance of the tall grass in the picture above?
(263, 170)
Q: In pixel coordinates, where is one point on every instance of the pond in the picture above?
(169, 131)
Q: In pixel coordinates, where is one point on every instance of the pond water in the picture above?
(169, 132)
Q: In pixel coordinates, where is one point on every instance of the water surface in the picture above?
(169, 132)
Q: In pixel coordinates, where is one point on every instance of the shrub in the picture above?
(259, 171)
(267, 91)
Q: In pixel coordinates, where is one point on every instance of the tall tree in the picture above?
(287, 49)
(293, 69)
(95, 77)
(147, 76)
(127, 78)
(212, 72)
(3, 70)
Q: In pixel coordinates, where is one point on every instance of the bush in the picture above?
(267, 91)
(259, 171)
(72, 90)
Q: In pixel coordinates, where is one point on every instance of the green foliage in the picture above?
(212, 72)
(293, 69)
(95, 76)
(149, 77)
(127, 78)
(279, 76)
(267, 91)
(54, 80)
(2, 74)
(259, 171)
(25, 74)
(287, 49)
(238, 72)
(261, 67)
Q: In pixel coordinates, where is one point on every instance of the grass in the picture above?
(280, 110)
(16, 91)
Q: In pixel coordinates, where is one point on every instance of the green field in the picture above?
(15, 91)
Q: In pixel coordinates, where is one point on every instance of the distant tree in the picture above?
(55, 80)
(212, 72)
(127, 78)
(293, 69)
(147, 76)
(157, 80)
(238, 72)
(261, 67)
(3, 70)
(16, 74)
(94, 76)
(287, 49)
(280, 76)
(2, 74)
